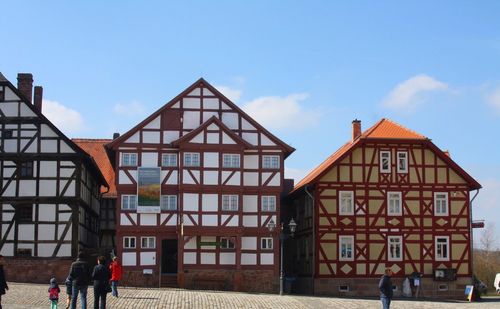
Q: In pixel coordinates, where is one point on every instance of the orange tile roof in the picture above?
(95, 148)
(383, 129)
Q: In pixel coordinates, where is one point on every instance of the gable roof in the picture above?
(87, 159)
(206, 124)
(383, 129)
(95, 148)
(201, 83)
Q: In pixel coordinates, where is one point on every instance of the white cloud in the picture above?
(133, 108)
(407, 95)
(232, 94)
(64, 118)
(494, 99)
(489, 196)
(295, 174)
(276, 112)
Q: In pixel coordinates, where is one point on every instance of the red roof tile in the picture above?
(95, 148)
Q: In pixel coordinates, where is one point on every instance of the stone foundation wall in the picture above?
(369, 287)
(36, 270)
(136, 278)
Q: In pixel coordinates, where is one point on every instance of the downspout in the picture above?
(471, 238)
(313, 238)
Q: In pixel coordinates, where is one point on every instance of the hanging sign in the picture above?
(148, 190)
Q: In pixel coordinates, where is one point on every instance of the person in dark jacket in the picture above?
(101, 276)
(80, 273)
(3, 282)
(385, 287)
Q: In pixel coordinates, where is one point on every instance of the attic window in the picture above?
(8, 133)
(24, 213)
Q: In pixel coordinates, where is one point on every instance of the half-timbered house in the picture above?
(49, 192)
(198, 182)
(387, 198)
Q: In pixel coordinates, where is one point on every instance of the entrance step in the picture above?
(169, 281)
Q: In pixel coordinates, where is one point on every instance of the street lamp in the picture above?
(283, 236)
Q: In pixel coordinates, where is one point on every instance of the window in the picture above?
(442, 248)
(394, 203)
(269, 203)
(266, 243)
(148, 242)
(402, 162)
(168, 202)
(169, 159)
(346, 203)
(26, 169)
(385, 161)
(191, 159)
(24, 213)
(271, 162)
(129, 202)
(129, 159)
(226, 243)
(7, 133)
(128, 242)
(440, 204)
(394, 248)
(230, 202)
(231, 160)
(346, 248)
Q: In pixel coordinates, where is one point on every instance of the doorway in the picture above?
(169, 256)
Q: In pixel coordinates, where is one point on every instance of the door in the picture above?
(169, 256)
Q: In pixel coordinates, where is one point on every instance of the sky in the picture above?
(303, 69)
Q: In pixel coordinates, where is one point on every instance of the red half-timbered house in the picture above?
(387, 198)
(198, 182)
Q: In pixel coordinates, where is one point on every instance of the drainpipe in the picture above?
(471, 238)
(313, 237)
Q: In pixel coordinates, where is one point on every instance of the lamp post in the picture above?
(283, 236)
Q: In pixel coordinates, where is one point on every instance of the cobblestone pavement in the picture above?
(36, 296)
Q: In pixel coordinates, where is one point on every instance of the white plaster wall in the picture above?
(64, 250)
(211, 159)
(213, 138)
(209, 220)
(234, 180)
(210, 177)
(198, 139)
(70, 191)
(248, 259)
(230, 120)
(27, 187)
(250, 179)
(48, 187)
(249, 243)
(224, 106)
(245, 125)
(64, 147)
(187, 178)
(250, 203)
(149, 159)
(266, 258)
(265, 141)
(170, 136)
(123, 178)
(172, 180)
(276, 180)
(66, 172)
(190, 202)
(227, 140)
(11, 233)
(188, 222)
(251, 138)
(207, 258)
(48, 169)
(124, 220)
(250, 221)
(46, 250)
(46, 231)
(151, 137)
(251, 162)
(191, 102)
(191, 243)
(191, 120)
(61, 230)
(195, 92)
(227, 258)
(210, 202)
(154, 124)
(148, 219)
(148, 258)
(48, 146)
(211, 103)
(26, 232)
(129, 259)
(46, 131)
(7, 250)
(135, 138)
(10, 145)
(208, 115)
(26, 111)
(189, 257)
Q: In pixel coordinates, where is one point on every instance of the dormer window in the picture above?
(402, 162)
(385, 161)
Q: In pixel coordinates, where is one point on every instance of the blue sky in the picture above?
(432, 66)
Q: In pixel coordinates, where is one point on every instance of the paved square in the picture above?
(36, 296)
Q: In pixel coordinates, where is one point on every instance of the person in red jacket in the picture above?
(116, 274)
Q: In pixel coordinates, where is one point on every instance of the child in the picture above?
(69, 287)
(54, 291)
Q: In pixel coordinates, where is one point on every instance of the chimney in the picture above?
(25, 85)
(37, 99)
(356, 129)
(116, 135)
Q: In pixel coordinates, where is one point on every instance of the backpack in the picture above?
(54, 293)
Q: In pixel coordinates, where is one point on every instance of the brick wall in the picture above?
(36, 270)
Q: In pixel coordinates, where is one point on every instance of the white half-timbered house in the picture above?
(49, 188)
(198, 182)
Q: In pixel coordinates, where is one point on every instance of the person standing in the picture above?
(54, 291)
(101, 277)
(116, 275)
(80, 273)
(3, 282)
(69, 286)
(385, 287)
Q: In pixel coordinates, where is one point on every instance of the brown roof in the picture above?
(95, 148)
(383, 129)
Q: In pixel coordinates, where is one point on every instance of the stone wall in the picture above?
(36, 270)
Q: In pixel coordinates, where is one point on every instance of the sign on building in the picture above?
(148, 190)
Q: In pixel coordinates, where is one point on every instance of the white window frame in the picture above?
(399, 243)
(230, 202)
(169, 160)
(126, 159)
(438, 201)
(441, 258)
(382, 153)
(129, 238)
(127, 197)
(150, 242)
(231, 160)
(268, 203)
(405, 169)
(188, 159)
(347, 240)
(270, 162)
(266, 243)
(350, 208)
(168, 202)
(400, 209)
(227, 243)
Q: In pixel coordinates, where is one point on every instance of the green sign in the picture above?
(209, 243)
